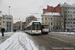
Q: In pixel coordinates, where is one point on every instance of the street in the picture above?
(55, 41)
(50, 41)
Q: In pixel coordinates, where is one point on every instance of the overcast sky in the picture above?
(23, 8)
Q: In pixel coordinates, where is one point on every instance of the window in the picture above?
(45, 18)
(68, 19)
(73, 19)
(3, 21)
(48, 23)
(71, 15)
(54, 24)
(0, 23)
(73, 22)
(51, 18)
(54, 18)
(0, 18)
(68, 22)
(73, 12)
(51, 23)
(57, 18)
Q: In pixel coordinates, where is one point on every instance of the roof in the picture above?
(50, 13)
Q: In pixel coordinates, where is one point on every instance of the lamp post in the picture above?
(9, 10)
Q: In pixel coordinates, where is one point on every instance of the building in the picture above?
(29, 19)
(52, 19)
(23, 26)
(1, 19)
(7, 22)
(56, 9)
(18, 26)
(68, 13)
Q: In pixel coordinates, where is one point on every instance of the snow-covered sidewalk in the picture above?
(8, 33)
(18, 41)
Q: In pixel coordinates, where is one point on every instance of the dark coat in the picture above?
(2, 29)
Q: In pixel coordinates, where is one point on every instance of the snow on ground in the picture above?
(18, 41)
(6, 33)
(65, 33)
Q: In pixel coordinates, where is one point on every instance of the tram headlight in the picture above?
(39, 31)
(33, 31)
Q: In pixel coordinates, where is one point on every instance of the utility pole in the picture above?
(9, 10)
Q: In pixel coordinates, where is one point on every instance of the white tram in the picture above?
(33, 27)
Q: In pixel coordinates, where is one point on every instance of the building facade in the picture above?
(1, 19)
(68, 13)
(23, 26)
(7, 22)
(52, 19)
(29, 19)
(18, 26)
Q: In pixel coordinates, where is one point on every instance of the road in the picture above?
(55, 41)
(51, 41)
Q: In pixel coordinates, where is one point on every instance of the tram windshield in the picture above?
(45, 26)
(36, 25)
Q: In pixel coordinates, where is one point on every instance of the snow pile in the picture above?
(18, 41)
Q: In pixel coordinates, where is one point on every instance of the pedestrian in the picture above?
(2, 30)
(14, 30)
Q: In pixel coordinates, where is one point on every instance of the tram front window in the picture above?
(46, 26)
(36, 26)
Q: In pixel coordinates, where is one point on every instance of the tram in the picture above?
(45, 28)
(33, 27)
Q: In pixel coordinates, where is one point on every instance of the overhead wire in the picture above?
(41, 7)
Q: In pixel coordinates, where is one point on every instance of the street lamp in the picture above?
(9, 10)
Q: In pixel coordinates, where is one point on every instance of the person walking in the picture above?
(2, 30)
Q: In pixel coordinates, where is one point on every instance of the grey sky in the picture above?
(23, 8)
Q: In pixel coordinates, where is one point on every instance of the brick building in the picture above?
(56, 9)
